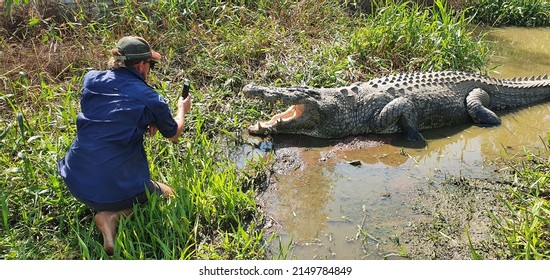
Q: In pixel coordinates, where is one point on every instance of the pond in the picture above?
(339, 203)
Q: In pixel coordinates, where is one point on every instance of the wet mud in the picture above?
(458, 221)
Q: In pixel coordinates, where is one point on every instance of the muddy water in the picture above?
(351, 204)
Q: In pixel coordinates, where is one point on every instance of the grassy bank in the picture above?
(526, 230)
(219, 46)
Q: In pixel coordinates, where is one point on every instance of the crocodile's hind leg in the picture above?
(477, 102)
(402, 112)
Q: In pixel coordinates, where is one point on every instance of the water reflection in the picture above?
(520, 51)
(332, 209)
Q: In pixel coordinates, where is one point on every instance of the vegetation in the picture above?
(529, 13)
(503, 217)
(220, 46)
(409, 37)
(526, 231)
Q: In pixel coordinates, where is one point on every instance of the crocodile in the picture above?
(406, 103)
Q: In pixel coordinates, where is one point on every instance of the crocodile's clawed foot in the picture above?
(260, 128)
(255, 128)
(415, 136)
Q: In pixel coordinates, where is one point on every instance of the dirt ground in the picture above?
(452, 210)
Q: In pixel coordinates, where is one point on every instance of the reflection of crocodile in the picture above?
(406, 103)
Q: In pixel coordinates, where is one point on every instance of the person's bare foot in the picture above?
(167, 191)
(107, 222)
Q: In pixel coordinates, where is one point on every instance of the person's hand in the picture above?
(152, 130)
(185, 104)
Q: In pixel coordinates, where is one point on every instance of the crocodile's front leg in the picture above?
(477, 102)
(402, 111)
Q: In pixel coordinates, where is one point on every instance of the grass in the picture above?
(522, 230)
(410, 38)
(219, 46)
(529, 13)
(526, 230)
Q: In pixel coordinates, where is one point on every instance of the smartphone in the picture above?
(185, 91)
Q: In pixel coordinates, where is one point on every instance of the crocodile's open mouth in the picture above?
(291, 114)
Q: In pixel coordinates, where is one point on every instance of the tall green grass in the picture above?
(530, 13)
(406, 37)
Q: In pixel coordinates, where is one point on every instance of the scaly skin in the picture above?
(406, 103)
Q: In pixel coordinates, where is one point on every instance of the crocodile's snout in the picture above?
(252, 90)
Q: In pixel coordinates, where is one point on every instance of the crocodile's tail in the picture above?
(517, 92)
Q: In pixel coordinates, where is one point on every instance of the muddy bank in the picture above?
(289, 151)
(432, 219)
(454, 211)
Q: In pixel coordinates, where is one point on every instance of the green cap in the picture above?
(135, 48)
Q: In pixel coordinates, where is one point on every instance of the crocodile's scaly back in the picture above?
(407, 102)
(504, 93)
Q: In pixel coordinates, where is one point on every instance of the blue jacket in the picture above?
(107, 162)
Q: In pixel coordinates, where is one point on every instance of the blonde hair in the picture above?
(115, 61)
